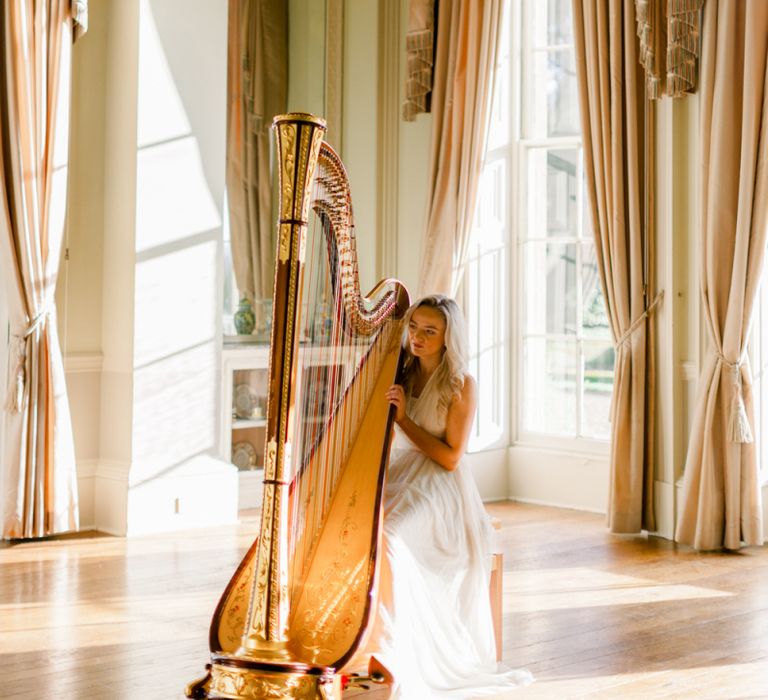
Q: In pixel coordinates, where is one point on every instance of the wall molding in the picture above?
(665, 509)
(83, 362)
(334, 66)
(87, 468)
(113, 470)
(388, 139)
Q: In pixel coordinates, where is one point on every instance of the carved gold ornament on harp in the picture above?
(334, 202)
(299, 138)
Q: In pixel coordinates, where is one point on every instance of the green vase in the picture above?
(244, 318)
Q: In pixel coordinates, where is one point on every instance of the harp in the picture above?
(296, 609)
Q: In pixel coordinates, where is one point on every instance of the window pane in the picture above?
(562, 95)
(486, 275)
(550, 288)
(594, 317)
(587, 230)
(559, 22)
(598, 384)
(552, 192)
(500, 121)
(550, 23)
(549, 386)
(489, 226)
(553, 109)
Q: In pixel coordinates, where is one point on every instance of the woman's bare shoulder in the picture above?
(468, 390)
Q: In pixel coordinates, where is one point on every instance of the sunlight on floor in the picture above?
(574, 587)
(107, 547)
(702, 683)
(56, 626)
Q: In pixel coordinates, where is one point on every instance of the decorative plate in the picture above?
(244, 455)
(244, 400)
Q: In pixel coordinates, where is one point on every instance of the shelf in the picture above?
(241, 423)
(253, 339)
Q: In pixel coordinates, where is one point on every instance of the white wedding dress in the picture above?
(433, 629)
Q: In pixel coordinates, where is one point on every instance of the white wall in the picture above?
(180, 157)
(306, 63)
(359, 125)
(414, 144)
(141, 295)
(677, 328)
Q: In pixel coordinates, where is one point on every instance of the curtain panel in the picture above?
(257, 90)
(611, 99)
(38, 478)
(467, 45)
(721, 490)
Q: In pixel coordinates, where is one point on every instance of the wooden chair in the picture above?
(497, 594)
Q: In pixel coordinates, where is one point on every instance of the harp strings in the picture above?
(339, 364)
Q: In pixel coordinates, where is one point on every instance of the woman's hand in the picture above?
(448, 450)
(396, 396)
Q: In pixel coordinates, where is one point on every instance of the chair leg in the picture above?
(497, 600)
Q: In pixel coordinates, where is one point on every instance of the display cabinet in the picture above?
(244, 402)
(321, 378)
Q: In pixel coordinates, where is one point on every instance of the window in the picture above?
(532, 250)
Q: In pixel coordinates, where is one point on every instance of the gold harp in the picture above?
(298, 605)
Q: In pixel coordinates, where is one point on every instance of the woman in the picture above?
(433, 634)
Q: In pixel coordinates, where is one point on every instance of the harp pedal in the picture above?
(356, 681)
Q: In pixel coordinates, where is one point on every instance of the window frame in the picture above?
(516, 152)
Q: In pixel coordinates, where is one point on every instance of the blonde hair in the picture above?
(449, 375)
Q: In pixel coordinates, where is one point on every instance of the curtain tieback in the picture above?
(19, 353)
(739, 429)
(639, 320)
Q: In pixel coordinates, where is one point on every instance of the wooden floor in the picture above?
(590, 614)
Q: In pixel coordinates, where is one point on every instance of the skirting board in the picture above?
(204, 496)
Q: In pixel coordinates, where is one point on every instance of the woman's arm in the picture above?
(449, 451)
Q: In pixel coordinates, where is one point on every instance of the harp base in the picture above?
(237, 678)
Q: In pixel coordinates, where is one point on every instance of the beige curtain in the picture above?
(467, 44)
(612, 115)
(721, 490)
(257, 90)
(38, 487)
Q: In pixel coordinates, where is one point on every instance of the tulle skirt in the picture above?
(433, 629)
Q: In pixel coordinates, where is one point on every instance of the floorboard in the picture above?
(592, 615)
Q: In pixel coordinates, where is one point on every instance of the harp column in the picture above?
(299, 137)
